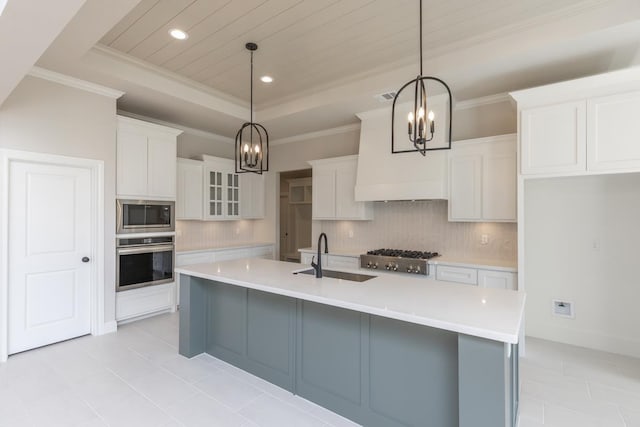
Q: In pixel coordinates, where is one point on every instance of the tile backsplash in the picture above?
(422, 225)
(192, 235)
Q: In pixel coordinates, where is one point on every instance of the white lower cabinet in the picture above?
(142, 302)
(477, 276)
(497, 279)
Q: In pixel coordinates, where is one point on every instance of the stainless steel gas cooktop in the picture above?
(398, 260)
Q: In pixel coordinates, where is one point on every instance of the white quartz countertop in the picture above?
(494, 314)
(222, 246)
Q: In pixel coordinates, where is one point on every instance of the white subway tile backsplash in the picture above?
(193, 235)
(422, 225)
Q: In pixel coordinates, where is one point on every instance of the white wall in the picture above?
(582, 245)
(46, 117)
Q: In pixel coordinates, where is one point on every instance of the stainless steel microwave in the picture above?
(145, 216)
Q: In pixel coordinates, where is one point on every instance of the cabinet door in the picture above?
(132, 164)
(553, 138)
(496, 279)
(465, 191)
(161, 166)
(189, 191)
(252, 196)
(346, 205)
(324, 193)
(499, 187)
(612, 135)
(232, 190)
(213, 194)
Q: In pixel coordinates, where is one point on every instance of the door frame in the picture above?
(96, 169)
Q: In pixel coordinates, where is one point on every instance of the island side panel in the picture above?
(252, 330)
(413, 375)
(485, 374)
(193, 316)
(329, 357)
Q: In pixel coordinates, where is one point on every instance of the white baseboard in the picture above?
(109, 327)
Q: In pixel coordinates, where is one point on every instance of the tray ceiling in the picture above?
(307, 45)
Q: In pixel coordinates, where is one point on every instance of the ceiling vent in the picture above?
(384, 97)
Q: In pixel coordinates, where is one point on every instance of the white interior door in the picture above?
(49, 235)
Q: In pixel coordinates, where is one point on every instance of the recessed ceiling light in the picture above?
(178, 34)
(266, 79)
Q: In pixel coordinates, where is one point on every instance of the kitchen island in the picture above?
(391, 351)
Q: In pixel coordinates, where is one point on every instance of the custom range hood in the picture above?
(383, 176)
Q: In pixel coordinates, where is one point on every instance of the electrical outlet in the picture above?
(484, 239)
(351, 234)
(595, 245)
(562, 308)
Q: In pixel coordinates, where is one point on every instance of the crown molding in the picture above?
(114, 54)
(185, 129)
(317, 134)
(63, 79)
(484, 100)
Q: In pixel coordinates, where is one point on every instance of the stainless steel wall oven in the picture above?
(144, 261)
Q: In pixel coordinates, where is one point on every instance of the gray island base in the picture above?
(373, 370)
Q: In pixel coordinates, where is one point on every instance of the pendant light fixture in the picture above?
(252, 140)
(421, 121)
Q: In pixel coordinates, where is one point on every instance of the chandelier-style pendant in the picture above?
(421, 121)
(252, 140)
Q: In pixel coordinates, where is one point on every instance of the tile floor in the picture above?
(136, 378)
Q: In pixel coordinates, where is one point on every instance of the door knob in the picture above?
(85, 259)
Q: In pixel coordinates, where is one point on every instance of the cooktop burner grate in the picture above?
(403, 253)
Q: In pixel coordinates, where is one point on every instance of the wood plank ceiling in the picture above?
(308, 44)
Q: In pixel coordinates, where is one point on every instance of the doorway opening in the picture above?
(295, 213)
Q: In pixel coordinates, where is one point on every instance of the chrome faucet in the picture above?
(318, 267)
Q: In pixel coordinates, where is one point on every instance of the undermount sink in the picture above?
(354, 277)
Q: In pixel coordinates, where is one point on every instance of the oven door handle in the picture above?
(145, 249)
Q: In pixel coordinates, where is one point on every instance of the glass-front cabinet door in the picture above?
(233, 195)
(214, 203)
(222, 192)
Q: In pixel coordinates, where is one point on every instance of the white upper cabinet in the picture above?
(189, 192)
(333, 183)
(482, 180)
(580, 127)
(612, 129)
(221, 189)
(146, 160)
(553, 138)
(252, 202)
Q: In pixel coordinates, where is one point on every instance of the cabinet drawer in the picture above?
(457, 274)
(338, 261)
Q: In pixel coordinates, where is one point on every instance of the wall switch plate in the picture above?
(351, 234)
(484, 239)
(562, 309)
